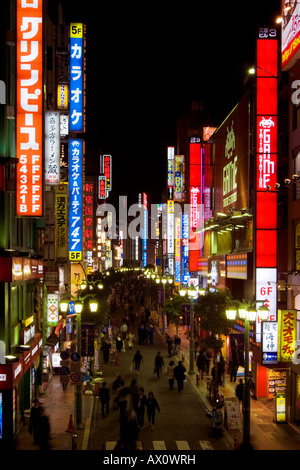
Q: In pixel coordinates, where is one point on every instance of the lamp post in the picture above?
(164, 280)
(78, 306)
(192, 293)
(248, 312)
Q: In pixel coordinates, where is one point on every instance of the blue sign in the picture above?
(76, 77)
(185, 274)
(75, 200)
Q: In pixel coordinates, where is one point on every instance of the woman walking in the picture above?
(152, 406)
(170, 374)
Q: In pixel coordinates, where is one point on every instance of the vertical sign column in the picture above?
(29, 108)
(266, 169)
(75, 199)
(76, 77)
(195, 202)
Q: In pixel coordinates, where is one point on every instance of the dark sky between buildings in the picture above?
(146, 62)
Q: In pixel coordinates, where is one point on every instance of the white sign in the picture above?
(52, 309)
(266, 289)
(52, 147)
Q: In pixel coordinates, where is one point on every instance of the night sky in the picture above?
(146, 63)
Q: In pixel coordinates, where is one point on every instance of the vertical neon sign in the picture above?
(76, 77)
(75, 198)
(195, 202)
(29, 108)
(266, 167)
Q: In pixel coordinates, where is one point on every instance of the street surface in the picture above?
(181, 424)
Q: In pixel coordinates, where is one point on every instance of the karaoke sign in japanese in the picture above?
(76, 77)
(75, 198)
(29, 108)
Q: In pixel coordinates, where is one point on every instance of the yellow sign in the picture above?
(287, 322)
(75, 255)
(62, 96)
(280, 408)
(76, 30)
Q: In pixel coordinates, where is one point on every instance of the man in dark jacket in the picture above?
(104, 398)
(179, 372)
(158, 363)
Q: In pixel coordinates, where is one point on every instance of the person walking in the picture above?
(152, 406)
(119, 343)
(121, 402)
(137, 359)
(104, 398)
(151, 333)
(139, 403)
(239, 391)
(158, 363)
(43, 430)
(201, 363)
(123, 329)
(130, 338)
(179, 374)
(169, 342)
(170, 374)
(34, 420)
(105, 348)
(233, 368)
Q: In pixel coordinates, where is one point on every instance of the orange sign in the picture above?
(29, 104)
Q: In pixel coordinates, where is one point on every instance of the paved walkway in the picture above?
(59, 404)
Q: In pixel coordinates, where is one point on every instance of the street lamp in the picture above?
(192, 293)
(78, 307)
(248, 312)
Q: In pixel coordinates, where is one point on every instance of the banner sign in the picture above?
(52, 147)
(76, 77)
(75, 200)
(288, 330)
(29, 108)
(52, 309)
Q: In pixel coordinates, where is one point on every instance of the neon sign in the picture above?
(29, 104)
(266, 170)
(76, 77)
(75, 198)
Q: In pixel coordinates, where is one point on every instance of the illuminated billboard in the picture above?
(52, 309)
(107, 170)
(266, 171)
(179, 177)
(76, 77)
(170, 167)
(62, 97)
(266, 151)
(195, 219)
(290, 34)
(29, 108)
(75, 199)
(52, 147)
(232, 159)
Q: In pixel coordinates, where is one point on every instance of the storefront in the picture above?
(17, 389)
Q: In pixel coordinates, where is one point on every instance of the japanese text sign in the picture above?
(29, 108)
(288, 325)
(75, 199)
(52, 147)
(76, 77)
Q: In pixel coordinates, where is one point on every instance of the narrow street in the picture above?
(181, 423)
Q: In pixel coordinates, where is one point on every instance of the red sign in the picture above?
(29, 106)
(107, 171)
(266, 149)
(102, 188)
(88, 216)
(195, 202)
